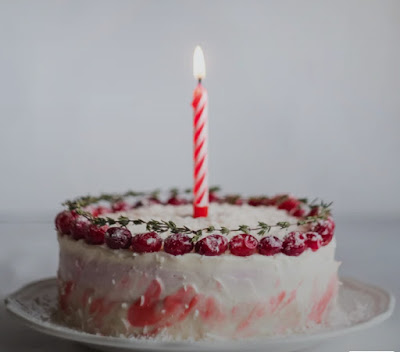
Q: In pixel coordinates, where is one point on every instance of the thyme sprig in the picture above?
(160, 226)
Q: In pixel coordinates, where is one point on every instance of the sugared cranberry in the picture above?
(154, 200)
(294, 244)
(313, 241)
(120, 206)
(233, 199)
(289, 204)
(64, 222)
(213, 197)
(243, 245)
(313, 211)
(80, 227)
(96, 234)
(270, 245)
(212, 245)
(257, 201)
(178, 244)
(278, 199)
(298, 212)
(118, 238)
(326, 229)
(176, 201)
(100, 210)
(146, 242)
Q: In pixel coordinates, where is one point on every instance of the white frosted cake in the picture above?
(161, 277)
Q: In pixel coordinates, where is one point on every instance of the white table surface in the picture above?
(369, 250)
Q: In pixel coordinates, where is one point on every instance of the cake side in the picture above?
(121, 292)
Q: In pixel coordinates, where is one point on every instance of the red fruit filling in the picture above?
(313, 241)
(146, 242)
(294, 244)
(243, 245)
(212, 245)
(95, 234)
(270, 245)
(118, 238)
(178, 244)
(64, 222)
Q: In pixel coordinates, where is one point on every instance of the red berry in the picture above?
(278, 199)
(213, 197)
(313, 211)
(64, 222)
(298, 212)
(96, 234)
(294, 244)
(176, 201)
(270, 245)
(289, 204)
(257, 201)
(146, 242)
(118, 237)
(212, 245)
(243, 245)
(154, 200)
(313, 241)
(80, 227)
(326, 229)
(100, 210)
(120, 206)
(178, 244)
(233, 199)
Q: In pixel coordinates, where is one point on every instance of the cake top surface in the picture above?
(220, 215)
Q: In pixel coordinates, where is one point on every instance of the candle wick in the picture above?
(200, 80)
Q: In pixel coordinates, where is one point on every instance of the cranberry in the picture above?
(294, 244)
(154, 200)
(80, 227)
(178, 244)
(213, 197)
(95, 234)
(100, 210)
(278, 199)
(233, 199)
(146, 242)
(313, 241)
(118, 237)
(270, 245)
(289, 204)
(65, 221)
(326, 229)
(299, 212)
(176, 201)
(243, 245)
(313, 211)
(120, 206)
(257, 201)
(212, 245)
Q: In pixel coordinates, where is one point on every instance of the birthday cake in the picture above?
(146, 268)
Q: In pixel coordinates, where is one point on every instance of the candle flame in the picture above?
(199, 66)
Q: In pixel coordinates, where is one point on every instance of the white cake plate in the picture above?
(361, 306)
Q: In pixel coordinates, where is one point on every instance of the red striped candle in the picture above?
(200, 125)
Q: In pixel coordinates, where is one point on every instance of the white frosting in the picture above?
(230, 216)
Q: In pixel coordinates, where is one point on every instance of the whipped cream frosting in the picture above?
(121, 293)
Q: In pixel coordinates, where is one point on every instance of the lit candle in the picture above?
(200, 106)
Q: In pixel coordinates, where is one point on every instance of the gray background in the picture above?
(304, 97)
